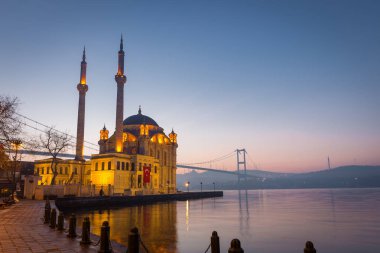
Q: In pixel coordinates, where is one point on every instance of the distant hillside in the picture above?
(347, 176)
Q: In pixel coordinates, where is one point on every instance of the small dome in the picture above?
(139, 119)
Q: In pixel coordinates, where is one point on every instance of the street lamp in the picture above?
(201, 186)
(187, 185)
(16, 143)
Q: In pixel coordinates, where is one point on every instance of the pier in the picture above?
(73, 203)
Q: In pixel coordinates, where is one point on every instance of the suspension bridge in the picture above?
(240, 154)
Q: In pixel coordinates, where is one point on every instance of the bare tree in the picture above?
(10, 125)
(10, 140)
(54, 143)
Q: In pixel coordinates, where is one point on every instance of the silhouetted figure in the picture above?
(101, 193)
(309, 248)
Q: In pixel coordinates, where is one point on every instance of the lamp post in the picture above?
(214, 185)
(201, 186)
(187, 185)
(16, 143)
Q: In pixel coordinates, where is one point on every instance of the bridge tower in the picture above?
(241, 163)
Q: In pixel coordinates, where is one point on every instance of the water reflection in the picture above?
(156, 224)
(265, 221)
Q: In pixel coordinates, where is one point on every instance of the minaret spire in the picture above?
(120, 69)
(82, 89)
(84, 54)
(83, 68)
(120, 79)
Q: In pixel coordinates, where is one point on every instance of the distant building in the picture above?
(137, 158)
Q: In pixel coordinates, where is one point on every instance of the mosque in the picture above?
(137, 158)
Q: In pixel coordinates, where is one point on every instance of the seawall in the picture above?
(73, 203)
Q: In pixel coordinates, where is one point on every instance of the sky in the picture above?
(292, 82)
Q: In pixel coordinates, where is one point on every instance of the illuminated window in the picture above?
(122, 165)
(102, 165)
(118, 165)
(109, 165)
(96, 166)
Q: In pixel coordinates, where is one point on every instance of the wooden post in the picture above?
(53, 218)
(105, 244)
(47, 212)
(86, 231)
(235, 247)
(309, 248)
(215, 247)
(72, 226)
(134, 241)
(61, 221)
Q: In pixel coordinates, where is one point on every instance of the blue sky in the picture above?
(291, 81)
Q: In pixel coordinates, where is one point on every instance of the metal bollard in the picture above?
(235, 247)
(61, 222)
(105, 244)
(72, 226)
(309, 248)
(133, 241)
(215, 247)
(47, 212)
(53, 218)
(86, 231)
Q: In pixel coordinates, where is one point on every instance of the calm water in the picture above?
(265, 221)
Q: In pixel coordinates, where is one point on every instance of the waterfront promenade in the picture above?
(22, 230)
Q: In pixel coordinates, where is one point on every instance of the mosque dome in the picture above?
(139, 119)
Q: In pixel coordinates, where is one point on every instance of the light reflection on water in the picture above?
(266, 221)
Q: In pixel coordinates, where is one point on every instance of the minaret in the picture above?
(120, 79)
(82, 88)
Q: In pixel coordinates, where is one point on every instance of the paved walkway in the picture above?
(22, 230)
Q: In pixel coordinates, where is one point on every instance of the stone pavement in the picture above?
(22, 230)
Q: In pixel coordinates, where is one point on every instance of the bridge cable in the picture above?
(39, 123)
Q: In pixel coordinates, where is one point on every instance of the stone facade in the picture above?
(138, 145)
